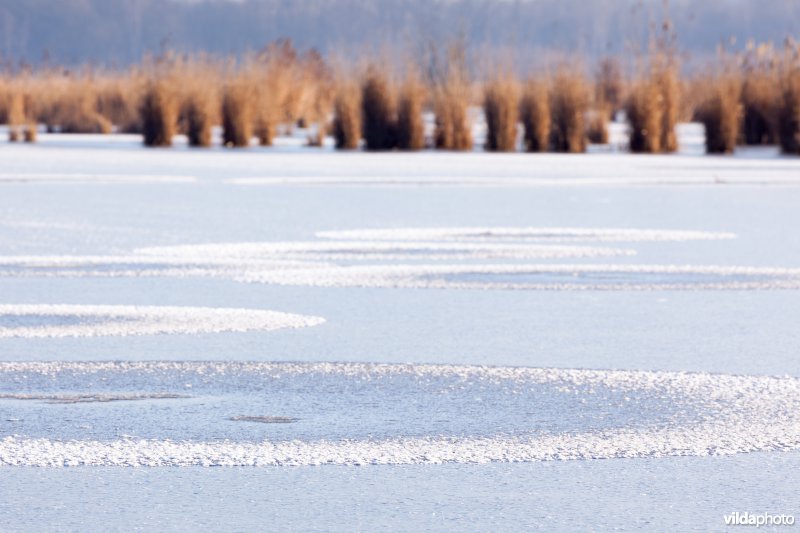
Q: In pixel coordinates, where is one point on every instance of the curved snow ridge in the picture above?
(412, 180)
(537, 277)
(658, 177)
(167, 259)
(141, 266)
(372, 250)
(741, 414)
(526, 233)
(703, 440)
(90, 398)
(81, 178)
(57, 321)
(688, 383)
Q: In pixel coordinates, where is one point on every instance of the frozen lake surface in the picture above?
(469, 341)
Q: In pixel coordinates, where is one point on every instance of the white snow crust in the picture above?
(120, 320)
(746, 414)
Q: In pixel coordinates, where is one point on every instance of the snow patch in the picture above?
(538, 277)
(445, 258)
(90, 398)
(529, 233)
(105, 320)
(358, 250)
(739, 414)
(92, 178)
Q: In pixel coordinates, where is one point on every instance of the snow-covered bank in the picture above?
(120, 159)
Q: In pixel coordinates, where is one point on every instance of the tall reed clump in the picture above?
(652, 109)
(788, 106)
(668, 82)
(237, 112)
(118, 97)
(379, 125)
(347, 114)
(291, 88)
(452, 95)
(5, 97)
(199, 108)
(597, 123)
(318, 78)
(297, 71)
(21, 121)
(653, 106)
(76, 110)
(720, 113)
(266, 123)
(609, 87)
(453, 129)
(287, 92)
(198, 113)
(760, 94)
(16, 116)
(665, 72)
(569, 103)
(47, 88)
(269, 75)
(535, 116)
(158, 111)
(410, 107)
(501, 109)
(644, 111)
(607, 99)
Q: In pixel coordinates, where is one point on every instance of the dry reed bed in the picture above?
(754, 100)
(379, 110)
(569, 104)
(787, 108)
(535, 116)
(452, 94)
(653, 105)
(760, 84)
(411, 100)
(501, 109)
(608, 98)
(347, 115)
(720, 113)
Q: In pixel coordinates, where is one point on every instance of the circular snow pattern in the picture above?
(549, 414)
(530, 233)
(73, 266)
(372, 250)
(438, 258)
(52, 321)
(538, 277)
